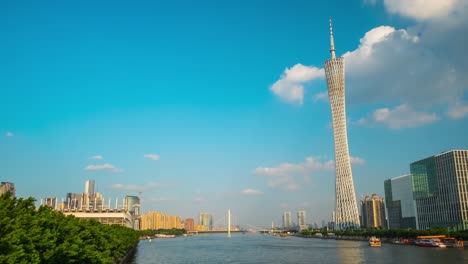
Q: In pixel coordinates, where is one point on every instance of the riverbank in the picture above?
(360, 238)
(128, 258)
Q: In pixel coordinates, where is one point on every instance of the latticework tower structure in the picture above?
(346, 211)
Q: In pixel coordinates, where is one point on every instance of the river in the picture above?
(257, 248)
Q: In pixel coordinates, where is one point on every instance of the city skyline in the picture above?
(209, 106)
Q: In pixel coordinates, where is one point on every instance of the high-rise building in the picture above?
(189, 224)
(74, 201)
(7, 187)
(287, 221)
(347, 216)
(51, 201)
(301, 220)
(158, 220)
(401, 207)
(440, 188)
(132, 204)
(92, 200)
(90, 186)
(373, 212)
(206, 220)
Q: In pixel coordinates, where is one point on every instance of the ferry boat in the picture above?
(430, 243)
(375, 242)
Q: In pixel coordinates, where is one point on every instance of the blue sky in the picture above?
(226, 99)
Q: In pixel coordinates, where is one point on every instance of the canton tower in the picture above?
(346, 212)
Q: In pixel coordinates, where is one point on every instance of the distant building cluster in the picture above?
(91, 205)
(158, 220)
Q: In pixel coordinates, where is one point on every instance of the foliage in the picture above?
(147, 232)
(172, 231)
(30, 235)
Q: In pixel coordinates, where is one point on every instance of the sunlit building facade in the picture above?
(189, 224)
(199, 228)
(440, 188)
(157, 220)
(373, 212)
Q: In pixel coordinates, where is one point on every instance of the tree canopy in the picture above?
(42, 235)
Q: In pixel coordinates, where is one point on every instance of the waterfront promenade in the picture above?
(257, 248)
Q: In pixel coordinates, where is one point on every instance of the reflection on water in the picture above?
(350, 252)
(256, 248)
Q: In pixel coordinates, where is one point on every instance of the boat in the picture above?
(398, 242)
(164, 236)
(375, 242)
(430, 243)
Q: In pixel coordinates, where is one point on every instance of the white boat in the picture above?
(430, 243)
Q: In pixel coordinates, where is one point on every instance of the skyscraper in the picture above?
(301, 220)
(440, 190)
(206, 220)
(74, 200)
(50, 201)
(347, 216)
(287, 221)
(90, 186)
(373, 212)
(401, 207)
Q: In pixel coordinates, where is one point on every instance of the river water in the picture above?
(257, 248)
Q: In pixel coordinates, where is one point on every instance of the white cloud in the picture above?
(402, 116)
(97, 157)
(322, 96)
(420, 66)
(251, 192)
(105, 166)
(160, 199)
(138, 188)
(9, 134)
(423, 9)
(357, 160)
(285, 176)
(151, 156)
(290, 87)
(458, 110)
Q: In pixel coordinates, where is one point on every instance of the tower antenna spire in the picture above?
(332, 43)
